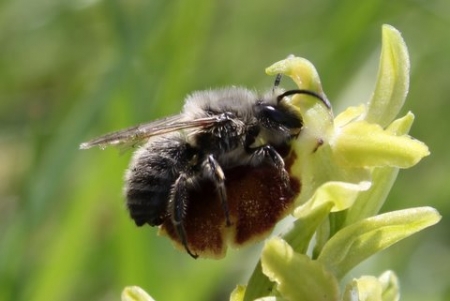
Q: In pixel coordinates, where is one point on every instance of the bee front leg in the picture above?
(215, 171)
(268, 153)
(177, 208)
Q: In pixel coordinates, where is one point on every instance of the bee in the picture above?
(221, 140)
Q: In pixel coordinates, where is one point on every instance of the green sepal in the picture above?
(362, 144)
(369, 202)
(356, 242)
(393, 79)
(297, 276)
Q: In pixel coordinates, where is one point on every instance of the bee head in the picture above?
(282, 114)
(278, 119)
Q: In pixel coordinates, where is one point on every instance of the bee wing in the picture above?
(138, 133)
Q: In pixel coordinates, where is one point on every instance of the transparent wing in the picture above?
(138, 133)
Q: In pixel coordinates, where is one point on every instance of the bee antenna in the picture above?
(307, 92)
(277, 82)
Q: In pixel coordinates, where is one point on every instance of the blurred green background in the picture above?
(72, 70)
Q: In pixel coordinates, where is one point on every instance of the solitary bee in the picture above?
(226, 146)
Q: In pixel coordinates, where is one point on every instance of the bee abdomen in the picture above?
(147, 205)
(149, 182)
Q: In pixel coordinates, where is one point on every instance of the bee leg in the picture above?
(267, 152)
(177, 208)
(218, 175)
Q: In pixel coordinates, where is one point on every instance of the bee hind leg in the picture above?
(177, 210)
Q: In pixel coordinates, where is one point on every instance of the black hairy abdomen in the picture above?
(150, 179)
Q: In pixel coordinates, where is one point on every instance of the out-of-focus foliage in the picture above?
(71, 70)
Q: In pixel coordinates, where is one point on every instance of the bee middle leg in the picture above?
(177, 210)
(214, 169)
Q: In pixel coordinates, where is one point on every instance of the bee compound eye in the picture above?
(282, 117)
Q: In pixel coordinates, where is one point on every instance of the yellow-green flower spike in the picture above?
(346, 166)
